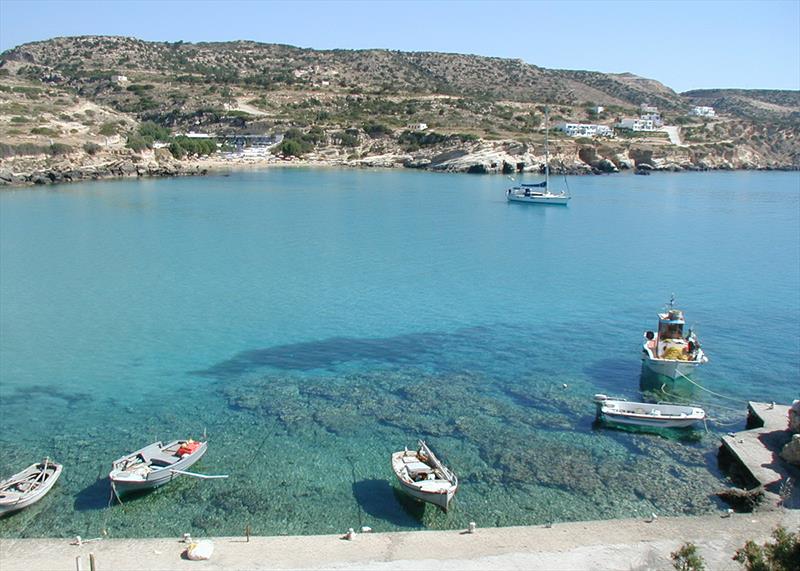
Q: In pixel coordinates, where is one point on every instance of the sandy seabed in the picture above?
(612, 544)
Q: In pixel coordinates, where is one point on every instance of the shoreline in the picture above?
(151, 169)
(611, 544)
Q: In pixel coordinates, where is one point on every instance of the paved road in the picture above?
(674, 135)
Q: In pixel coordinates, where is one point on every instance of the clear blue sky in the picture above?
(684, 44)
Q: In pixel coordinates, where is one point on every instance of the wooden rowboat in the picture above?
(422, 476)
(29, 486)
(154, 465)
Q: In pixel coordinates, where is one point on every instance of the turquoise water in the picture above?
(313, 321)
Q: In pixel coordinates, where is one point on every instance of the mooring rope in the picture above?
(716, 420)
(702, 388)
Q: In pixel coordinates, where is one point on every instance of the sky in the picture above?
(684, 44)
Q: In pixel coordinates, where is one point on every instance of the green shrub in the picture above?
(177, 150)
(291, 148)
(18, 119)
(345, 139)
(154, 132)
(91, 148)
(687, 559)
(44, 131)
(182, 146)
(137, 143)
(109, 128)
(57, 149)
(376, 130)
(782, 555)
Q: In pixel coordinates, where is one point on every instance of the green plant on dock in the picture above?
(687, 559)
(782, 555)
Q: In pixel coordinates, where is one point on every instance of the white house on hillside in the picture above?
(636, 124)
(585, 130)
(702, 111)
(647, 108)
(654, 117)
(417, 126)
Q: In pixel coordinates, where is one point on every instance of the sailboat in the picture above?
(539, 192)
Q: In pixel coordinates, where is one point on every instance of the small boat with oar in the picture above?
(422, 476)
(661, 415)
(155, 465)
(29, 486)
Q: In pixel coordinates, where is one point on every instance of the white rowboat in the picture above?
(29, 486)
(647, 414)
(154, 465)
(422, 476)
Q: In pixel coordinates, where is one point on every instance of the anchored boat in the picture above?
(154, 465)
(621, 411)
(422, 476)
(668, 351)
(539, 193)
(29, 486)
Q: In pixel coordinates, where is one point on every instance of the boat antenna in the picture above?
(672, 301)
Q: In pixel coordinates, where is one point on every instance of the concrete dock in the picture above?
(618, 545)
(757, 450)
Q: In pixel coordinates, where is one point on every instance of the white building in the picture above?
(654, 117)
(119, 78)
(636, 124)
(702, 111)
(647, 108)
(585, 130)
(417, 126)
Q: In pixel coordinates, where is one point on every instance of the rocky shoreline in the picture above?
(110, 171)
(504, 157)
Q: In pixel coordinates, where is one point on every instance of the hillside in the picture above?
(68, 92)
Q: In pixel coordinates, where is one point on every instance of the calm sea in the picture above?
(311, 322)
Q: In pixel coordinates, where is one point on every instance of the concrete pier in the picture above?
(757, 449)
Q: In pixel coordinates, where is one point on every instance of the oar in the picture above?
(201, 476)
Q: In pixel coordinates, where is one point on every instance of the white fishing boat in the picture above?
(422, 476)
(669, 352)
(154, 465)
(29, 486)
(539, 193)
(662, 415)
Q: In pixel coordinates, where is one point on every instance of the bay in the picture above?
(311, 321)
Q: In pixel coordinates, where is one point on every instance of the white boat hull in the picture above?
(423, 477)
(652, 422)
(673, 369)
(539, 199)
(661, 415)
(438, 499)
(12, 501)
(125, 482)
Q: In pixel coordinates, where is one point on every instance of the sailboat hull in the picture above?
(541, 199)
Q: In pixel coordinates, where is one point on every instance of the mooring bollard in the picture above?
(92, 563)
(471, 528)
(78, 563)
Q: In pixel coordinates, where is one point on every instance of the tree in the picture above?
(783, 555)
(687, 559)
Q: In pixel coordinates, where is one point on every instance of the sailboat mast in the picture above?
(546, 149)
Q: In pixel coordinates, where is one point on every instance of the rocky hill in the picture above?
(79, 100)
